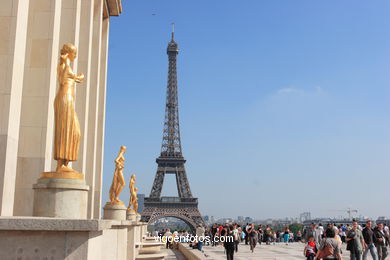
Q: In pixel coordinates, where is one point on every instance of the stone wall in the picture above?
(32, 33)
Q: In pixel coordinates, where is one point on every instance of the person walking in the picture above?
(310, 249)
(213, 231)
(247, 226)
(381, 241)
(229, 243)
(236, 237)
(329, 248)
(168, 238)
(313, 232)
(369, 239)
(252, 233)
(356, 244)
(286, 235)
(260, 234)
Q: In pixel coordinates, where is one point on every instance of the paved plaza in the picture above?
(278, 251)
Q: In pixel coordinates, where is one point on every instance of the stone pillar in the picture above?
(94, 91)
(101, 120)
(84, 66)
(13, 24)
(37, 116)
(70, 24)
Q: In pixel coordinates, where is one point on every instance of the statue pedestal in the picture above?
(60, 197)
(114, 211)
(130, 215)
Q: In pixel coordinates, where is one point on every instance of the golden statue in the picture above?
(67, 128)
(118, 182)
(66, 124)
(133, 203)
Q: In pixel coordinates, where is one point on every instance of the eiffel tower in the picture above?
(171, 161)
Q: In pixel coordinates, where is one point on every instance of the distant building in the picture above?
(248, 219)
(305, 216)
(240, 219)
(383, 220)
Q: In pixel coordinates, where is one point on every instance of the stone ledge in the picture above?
(58, 224)
(189, 253)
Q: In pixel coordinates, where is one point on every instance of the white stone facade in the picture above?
(32, 32)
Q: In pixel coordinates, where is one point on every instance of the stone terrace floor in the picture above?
(279, 251)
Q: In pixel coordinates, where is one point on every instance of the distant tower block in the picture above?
(171, 161)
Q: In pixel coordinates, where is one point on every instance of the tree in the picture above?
(295, 227)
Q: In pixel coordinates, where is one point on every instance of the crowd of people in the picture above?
(361, 241)
(320, 242)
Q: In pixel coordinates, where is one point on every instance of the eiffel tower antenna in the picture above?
(173, 31)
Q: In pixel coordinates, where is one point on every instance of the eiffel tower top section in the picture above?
(171, 144)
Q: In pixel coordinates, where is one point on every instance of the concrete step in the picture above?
(149, 247)
(159, 256)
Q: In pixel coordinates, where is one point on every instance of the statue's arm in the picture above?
(78, 78)
(119, 157)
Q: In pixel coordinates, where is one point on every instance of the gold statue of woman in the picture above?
(118, 182)
(67, 128)
(133, 203)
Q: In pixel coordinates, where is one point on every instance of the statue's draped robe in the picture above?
(67, 128)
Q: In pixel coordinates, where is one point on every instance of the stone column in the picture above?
(101, 120)
(70, 24)
(84, 66)
(94, 91)
(13, 24)
(37, 115)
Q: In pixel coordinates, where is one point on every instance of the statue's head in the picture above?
(133, 176)
(69, 49)
(123, 148)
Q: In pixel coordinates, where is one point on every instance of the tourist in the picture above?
(299, 236)
(320, 232)
(229, 243)
(175, 243)
(291, 239)
(356, 243)
(381, 241)
(236, 237)
(310, 249)
(314, 232)
(369, 239)
(239, 229)
(168, 238)
(342, 233)
(200, 234)
(268, 235)
(252, 233)
(213, 232)
(247, 226)
(286, 235)
(260, 234)
(329, 248)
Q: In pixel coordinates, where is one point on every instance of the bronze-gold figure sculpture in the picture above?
(133, 203)
(118, 182)
(67, 128)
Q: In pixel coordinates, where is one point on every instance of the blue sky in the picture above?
(284, 105)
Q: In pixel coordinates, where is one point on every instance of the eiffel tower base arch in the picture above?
(180, 210)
